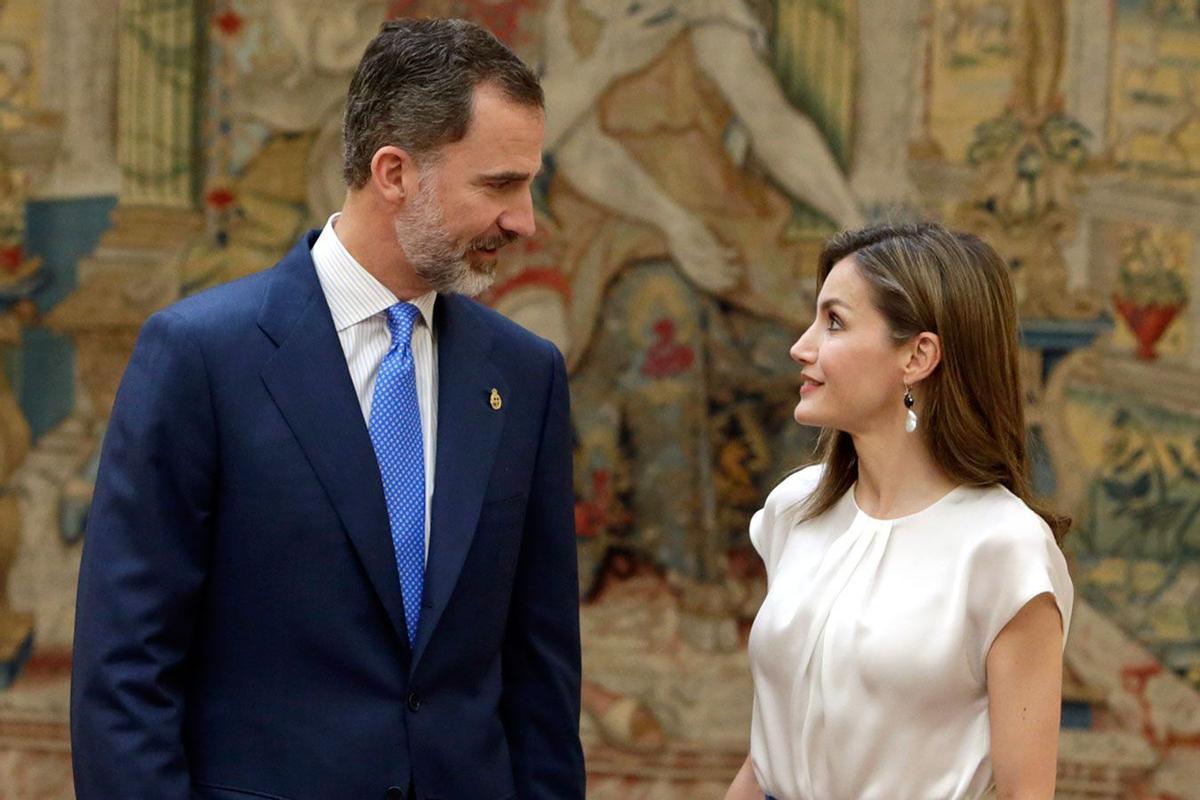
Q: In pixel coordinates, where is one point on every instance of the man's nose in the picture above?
(518, 218)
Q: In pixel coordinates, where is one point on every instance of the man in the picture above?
(331, 552)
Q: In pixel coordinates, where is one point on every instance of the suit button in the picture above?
(414, 701)
(394, 793)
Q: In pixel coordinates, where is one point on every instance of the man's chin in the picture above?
(469, 275)
(475, 279)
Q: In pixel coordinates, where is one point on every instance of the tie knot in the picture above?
(400, 319)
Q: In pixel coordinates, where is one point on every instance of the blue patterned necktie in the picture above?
(395, 430)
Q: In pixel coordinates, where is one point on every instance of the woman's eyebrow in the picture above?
(833, 301)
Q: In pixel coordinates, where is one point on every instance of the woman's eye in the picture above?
(835, 324)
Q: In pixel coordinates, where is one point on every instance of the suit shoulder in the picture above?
(226, 303)
(510, 334)
(220, 320)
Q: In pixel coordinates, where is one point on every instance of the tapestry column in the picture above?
(135, 269)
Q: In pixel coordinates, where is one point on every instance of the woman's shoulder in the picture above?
(771, 524)
(1000, 516)
(1011, 557)
(998, 532)
(795, 488)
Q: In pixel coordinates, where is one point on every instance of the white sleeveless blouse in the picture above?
(868, 653)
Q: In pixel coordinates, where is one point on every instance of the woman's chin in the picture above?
(805, 416)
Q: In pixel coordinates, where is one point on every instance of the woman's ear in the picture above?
(924, 354)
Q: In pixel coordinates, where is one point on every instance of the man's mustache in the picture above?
(494, 242)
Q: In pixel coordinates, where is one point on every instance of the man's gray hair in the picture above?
(414, 88)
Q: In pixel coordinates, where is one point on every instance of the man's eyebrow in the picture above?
(508, 176)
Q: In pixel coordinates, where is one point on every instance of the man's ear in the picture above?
(924, 354)
(394, 174)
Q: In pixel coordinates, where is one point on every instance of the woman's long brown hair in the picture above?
(924, 277)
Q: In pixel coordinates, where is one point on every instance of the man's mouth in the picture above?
(492, 245)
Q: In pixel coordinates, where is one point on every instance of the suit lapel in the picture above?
(310, 383)
(468, 435)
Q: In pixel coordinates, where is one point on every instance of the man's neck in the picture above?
(371, 241)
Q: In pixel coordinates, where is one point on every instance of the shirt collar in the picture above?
(353, 294)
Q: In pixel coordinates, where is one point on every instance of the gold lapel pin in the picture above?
(495, 400)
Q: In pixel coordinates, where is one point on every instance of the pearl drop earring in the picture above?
(910, 418)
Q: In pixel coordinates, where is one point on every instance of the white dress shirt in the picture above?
(357, 302)
(870, 650)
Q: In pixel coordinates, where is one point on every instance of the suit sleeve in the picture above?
(540, 704)
(143, 568)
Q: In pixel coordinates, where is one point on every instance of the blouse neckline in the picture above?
(906, 517)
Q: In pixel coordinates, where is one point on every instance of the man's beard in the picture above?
(430, 249)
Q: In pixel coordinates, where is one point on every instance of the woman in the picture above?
(910, 644)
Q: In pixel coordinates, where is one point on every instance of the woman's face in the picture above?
(852, 369)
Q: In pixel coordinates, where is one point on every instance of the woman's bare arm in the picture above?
(1024, 682)
(745, 785)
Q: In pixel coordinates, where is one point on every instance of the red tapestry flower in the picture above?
(220, 198)
(667, 357)
(602, 510)
(230, 23)
(11, 257)
(501, 17)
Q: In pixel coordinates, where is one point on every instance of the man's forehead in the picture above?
(491, 98)
(502, 144)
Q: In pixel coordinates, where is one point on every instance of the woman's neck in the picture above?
(897, 475)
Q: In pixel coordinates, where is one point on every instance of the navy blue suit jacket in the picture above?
(240, 631)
